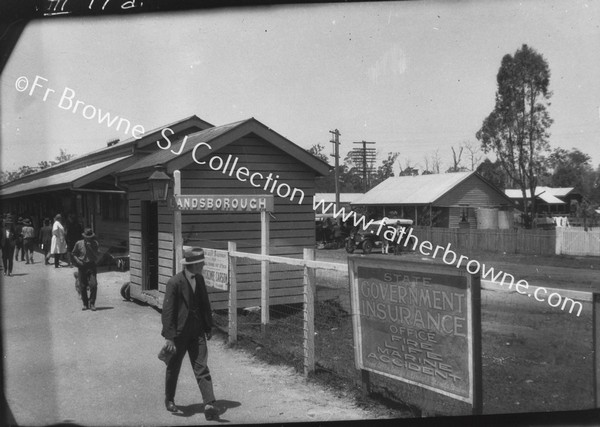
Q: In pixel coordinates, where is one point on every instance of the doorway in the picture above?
(149, 245)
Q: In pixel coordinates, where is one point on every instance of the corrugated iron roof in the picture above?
(120, 148)
(219, 137)
(412, 190)
(163, 156)
(555, 191)
(71, 179)
(550, 199)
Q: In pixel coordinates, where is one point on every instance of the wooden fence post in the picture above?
(309, 313)
(596, 346)
(233, 323)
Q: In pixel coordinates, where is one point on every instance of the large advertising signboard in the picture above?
(414, 322)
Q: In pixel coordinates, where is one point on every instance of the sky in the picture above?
(414, 77)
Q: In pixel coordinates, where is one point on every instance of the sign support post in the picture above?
(309, 313)
(264, 271)
(477, 345)
(596, 346)
(177, 236)
(232, 333)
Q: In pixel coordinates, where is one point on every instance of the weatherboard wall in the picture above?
(468, 195)
(291, 225)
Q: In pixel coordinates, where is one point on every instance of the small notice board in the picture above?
(418, 323)
(216, 269)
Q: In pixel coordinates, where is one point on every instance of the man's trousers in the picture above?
(7, 258)
(87, 279)
(198, 352)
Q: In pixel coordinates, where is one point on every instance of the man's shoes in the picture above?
(92, 307)
(210, 412)
(170, 405)
(85, 307)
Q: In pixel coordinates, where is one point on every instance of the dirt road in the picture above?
(64, 365)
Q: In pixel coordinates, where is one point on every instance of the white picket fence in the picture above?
(577, 241)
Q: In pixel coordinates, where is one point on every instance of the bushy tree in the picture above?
(317, 150)
(569, 168)
(517, 129)
(6, 177)
(386, 169)
(494, 173)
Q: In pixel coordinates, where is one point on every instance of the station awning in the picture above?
(72, 179)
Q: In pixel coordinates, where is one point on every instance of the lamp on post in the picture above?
(159, 183)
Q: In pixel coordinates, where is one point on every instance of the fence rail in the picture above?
(309, 294)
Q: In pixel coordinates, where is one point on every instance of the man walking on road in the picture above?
(186, 326)
(84, 256)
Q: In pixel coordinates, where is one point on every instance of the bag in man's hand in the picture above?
(165, 355)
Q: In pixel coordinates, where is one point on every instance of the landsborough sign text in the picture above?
(414, 324)
(223, 203)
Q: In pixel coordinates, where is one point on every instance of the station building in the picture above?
(245, 158)
(240, 163)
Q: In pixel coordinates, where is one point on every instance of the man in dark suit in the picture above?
(84, 255)
(186, 325)
(8, 242)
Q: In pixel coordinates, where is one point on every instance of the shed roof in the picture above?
(412, 190)
(550, 199)
(75, 178)
(218, 137)
(547, 194)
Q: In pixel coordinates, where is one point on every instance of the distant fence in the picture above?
(516, 241)
(578, 242)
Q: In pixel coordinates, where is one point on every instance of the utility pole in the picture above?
(363, 155)
(336, 154)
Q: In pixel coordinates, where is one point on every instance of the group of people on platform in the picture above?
(54, 239)
(67, 241)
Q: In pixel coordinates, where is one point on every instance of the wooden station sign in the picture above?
(223, 203)
(418, 323)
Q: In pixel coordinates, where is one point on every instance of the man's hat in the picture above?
(192, 255)
(88, 233)
(26, 221)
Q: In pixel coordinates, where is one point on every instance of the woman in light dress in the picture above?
(58, 246)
